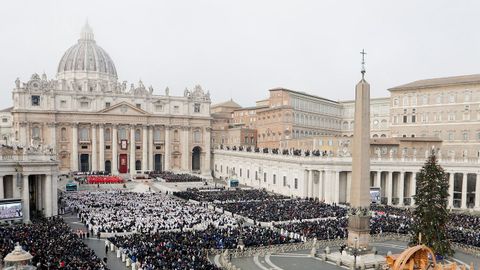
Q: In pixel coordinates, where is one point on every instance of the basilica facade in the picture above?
(92, 121)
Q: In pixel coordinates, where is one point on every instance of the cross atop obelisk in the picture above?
(363, 63)
(358, 221)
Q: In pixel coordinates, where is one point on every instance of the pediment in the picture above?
(123, 108)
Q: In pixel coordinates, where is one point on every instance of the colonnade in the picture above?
(176, 141)
(38, 190)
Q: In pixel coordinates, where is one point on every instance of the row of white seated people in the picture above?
(282, 210)
(175, 177)
(236, 195)
(114, 212)
(278, 151)
(52, 244)
(187, 250)
(90, 173)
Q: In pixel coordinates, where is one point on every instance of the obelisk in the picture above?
(358, 221)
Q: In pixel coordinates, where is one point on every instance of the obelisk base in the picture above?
(358, 232)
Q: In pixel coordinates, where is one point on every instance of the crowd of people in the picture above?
(187, 250)
(278, 151)
(117, 211)
(52, 244)
(282, 210)
(97, 179)
(222, 195)
(175, 177)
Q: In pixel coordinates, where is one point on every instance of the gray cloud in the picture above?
(240, 49)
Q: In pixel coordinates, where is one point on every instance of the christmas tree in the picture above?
(431, 215)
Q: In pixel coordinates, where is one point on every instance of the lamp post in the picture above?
(355, 253)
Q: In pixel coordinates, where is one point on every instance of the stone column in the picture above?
(54, 190)
(401, 183)
(74, 156)
(310, 183)
(114, 150)
(464, 191)
(40, 194)
(321, 183)
(451, 180)
(144, 148)
(167, 144)
(349, 184)
(378, 178)
(132, 150)
(48, 195)
(388, 188)
(208, 153)
(185, 147)
(413, 187)
(25, 199)
(53, 136)
(94, 148)
(336, 197)
(150, 147)
(477, 192)
(2, 192)
(101, 148)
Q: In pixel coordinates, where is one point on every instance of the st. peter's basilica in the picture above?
(92, 121)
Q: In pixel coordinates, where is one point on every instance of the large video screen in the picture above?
(375, 195)
(11, 210)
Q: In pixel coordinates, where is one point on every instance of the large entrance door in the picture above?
(196, 158)
(84, 162)
(158, 162)
(108, 166)
(123, 168)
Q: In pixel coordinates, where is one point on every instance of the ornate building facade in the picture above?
(94, 122)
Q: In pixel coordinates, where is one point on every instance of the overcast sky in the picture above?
(240, 49)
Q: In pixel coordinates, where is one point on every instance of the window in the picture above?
(248, 174)
(107, 147)
(36, 133)
(156, 135)
(196, 107)
(295, 183)
(138, 135)
(240, 172)
(450, 136)
(176, 136)
(395, 102)
(83, 134)
(284, 181)
(159, 108)
(107, 104)
(106, 135)
(176, 108)
(63, 134)
(404, 119)
(274, 179)
(465, 136)
(63, 103)
(138, 165)
(425, 100)
(264, 177)
(35, 100)
(4, 120)
(197, 136)
(84, 104)
(451, 98)
(122, 134)
(138, 105)
(439, 99)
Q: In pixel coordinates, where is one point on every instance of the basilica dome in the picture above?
(86, 60)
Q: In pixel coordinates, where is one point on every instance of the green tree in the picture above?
(430, 217)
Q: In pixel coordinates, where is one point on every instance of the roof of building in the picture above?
(302, 93)
(251, 108)
(9, 109)
(229, 103)
(87, 56)
(435, 82)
